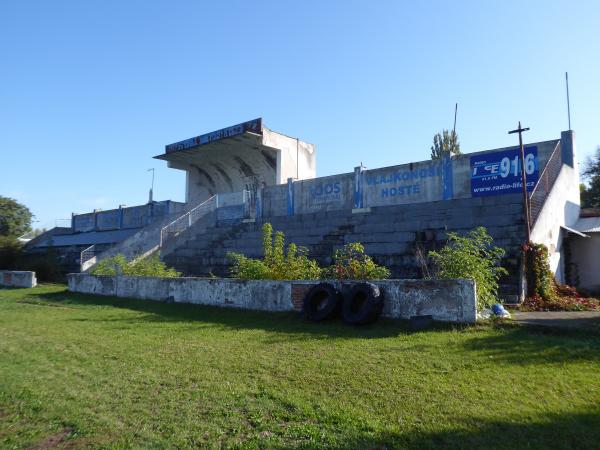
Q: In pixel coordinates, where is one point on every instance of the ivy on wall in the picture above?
(540, 281)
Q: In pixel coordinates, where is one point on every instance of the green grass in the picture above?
(87, 371)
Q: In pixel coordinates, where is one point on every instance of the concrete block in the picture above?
(17, 278)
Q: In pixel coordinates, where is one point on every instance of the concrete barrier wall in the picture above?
(17, 278)
(132, 217)
(407, 183)
(418, 182)
(324, 194)
(445, 300)
(274, 201)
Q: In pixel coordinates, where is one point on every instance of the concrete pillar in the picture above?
(290, 197)
(359, 187)
(567, 147)
(120, 216)
(447, 177)
(258, 202)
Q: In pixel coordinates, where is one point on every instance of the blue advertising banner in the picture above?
(254, 126)
(500, 172)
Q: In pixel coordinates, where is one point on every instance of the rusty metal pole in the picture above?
(526, 210)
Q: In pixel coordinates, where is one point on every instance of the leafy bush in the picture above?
(351, 263)
(474, 257)
(151, 266)
(47, 266)
(10, 249)
(278, 263)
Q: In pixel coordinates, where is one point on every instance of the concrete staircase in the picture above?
(391, 235)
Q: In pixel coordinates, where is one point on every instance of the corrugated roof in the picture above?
(93, 237)
(588, 225)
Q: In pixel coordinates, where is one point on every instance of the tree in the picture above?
(15, 219)
(445, 143)
(590, 192)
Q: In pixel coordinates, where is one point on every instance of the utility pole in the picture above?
(455, 110)
(527, 214)
(150, 198)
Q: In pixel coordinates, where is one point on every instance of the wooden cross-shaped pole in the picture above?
(526, 210)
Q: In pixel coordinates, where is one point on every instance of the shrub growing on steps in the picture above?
(150, 266)
(278, 263)
(292, 263)
(473, 257)
(351, 263)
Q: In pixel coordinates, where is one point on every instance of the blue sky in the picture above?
(90, 91)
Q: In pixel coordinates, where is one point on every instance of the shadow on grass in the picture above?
(522, 345)
(281, 322)
(580, 430)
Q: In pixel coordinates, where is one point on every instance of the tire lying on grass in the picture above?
(363, 304)
(321, 302)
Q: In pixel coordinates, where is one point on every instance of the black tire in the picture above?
(321, 302)
(363, 304)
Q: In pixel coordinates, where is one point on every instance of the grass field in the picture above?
(87, 371)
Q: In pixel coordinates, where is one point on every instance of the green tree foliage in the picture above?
(590, 193)
(15, 219)
(278, 263)
(445, 143)
(10, 250)
(473, 257)
(151, 266)
(351, 263)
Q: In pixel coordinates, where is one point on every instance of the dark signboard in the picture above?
(500, 172)
(254, 126)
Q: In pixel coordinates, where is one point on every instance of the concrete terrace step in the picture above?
(389, 234)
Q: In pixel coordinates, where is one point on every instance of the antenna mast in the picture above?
(455, 109)
(568, 101)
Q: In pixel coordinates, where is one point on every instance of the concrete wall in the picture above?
(585, 261)
(132, 217)
(445, 300)
(17, 278)
(324, 194)
(561, 208)
(274, 201)
(419, 182)
(406, 183)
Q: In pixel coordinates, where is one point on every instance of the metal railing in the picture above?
(185, 221)
(86, 257)
(545, 182)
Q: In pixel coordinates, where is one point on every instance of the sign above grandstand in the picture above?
(253, 126)
(500, 172)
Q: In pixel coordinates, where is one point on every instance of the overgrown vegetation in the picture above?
(474, 257)
(292, 263)
(352, 263)
(278, 263)
(85, 371)
(543, 292)
(150, 266)
(46, 264)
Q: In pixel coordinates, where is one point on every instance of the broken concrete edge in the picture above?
(17, 278)
(445, 300)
